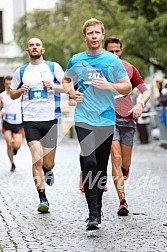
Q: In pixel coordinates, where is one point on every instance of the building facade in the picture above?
(10, 12)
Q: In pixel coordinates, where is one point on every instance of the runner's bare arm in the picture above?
(16, 93)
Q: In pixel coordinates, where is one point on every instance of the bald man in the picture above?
(39, 84)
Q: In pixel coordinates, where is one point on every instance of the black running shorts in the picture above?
(43, 131)
(14, 128)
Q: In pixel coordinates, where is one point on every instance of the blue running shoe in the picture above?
(43, 206)
(49, 176)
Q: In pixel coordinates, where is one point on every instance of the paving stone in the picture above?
(23, 229)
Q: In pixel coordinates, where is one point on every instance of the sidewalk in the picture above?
(23, 229)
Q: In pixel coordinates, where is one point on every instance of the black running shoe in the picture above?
(93, 222)
(14, 151)
(13, 168)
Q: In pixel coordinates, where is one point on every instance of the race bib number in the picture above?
(10, 117)
(38, 94)
(90, 73)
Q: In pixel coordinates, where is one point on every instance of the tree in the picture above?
(154, 12)
(150, 9)
(142, 33)
(61, 28)
(42, 24)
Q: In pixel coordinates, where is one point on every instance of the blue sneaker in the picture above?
(43, 206)
(49, 176)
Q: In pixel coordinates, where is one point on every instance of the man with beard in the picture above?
(39, 84)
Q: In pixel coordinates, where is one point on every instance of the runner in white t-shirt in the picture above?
(12, 127)
(39, 84)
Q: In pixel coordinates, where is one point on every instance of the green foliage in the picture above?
(154, 12)
(150, 9)
(137, 23)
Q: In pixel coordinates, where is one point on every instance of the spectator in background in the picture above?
(157, 90)
(143, 122)
(163, 104)
(163, 97)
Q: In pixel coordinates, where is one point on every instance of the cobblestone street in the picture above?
(23, 229)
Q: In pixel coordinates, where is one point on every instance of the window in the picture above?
(1, 27)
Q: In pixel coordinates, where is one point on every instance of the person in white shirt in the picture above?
(12, 127)
(39, 84)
